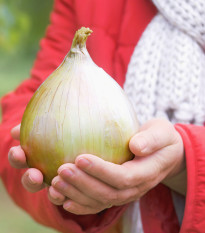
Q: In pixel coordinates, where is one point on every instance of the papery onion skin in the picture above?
(78, 109)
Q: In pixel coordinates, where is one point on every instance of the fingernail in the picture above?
(82, 162)
(66, 172)
(54, 181)
(11, 153)
(31, 180)
(67, 205)
(60, 185)
(55, 197)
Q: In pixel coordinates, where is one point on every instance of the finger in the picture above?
(88, 185)
(153, 136)
(15, 132)
(71, 192)
(55, 197)
(78, 209)
(125, 176)
(32, 180)
(97, 190)
(118, 176)
(17, 158)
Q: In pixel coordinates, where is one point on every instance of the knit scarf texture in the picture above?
(166, 75)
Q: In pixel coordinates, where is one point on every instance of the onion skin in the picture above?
(78, 109)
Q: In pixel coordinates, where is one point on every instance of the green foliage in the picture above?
(14, 25)
(22, 24)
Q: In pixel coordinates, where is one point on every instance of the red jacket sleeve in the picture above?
(193, 137)
(53, 49)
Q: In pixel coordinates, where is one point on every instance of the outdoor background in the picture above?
(22, 24)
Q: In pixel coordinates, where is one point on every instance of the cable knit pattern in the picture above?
(166, 74)
(186, 15)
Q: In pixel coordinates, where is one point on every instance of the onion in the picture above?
(78, 109)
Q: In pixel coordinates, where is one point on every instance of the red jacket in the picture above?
(117, 26)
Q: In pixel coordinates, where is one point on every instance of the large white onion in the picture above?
(78, 109)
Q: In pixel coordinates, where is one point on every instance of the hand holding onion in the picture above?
(98, 185)
(92, 184)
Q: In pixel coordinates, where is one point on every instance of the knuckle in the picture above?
(142, 188)
(148, 185)
(157, 168)
(105, 200)
(126, 182)
(133, 196)
(114, 198)
(126, 196)
(110, 198)
(155, 142)
(155, 139)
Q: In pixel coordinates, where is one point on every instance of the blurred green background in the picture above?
(22, 24)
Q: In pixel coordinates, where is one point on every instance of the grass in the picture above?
(12, 218)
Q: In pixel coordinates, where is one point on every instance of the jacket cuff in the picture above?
(193, 139)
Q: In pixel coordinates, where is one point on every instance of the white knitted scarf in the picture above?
(166, 74)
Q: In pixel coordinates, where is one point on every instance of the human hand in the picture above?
(92, 184)
(32, 179)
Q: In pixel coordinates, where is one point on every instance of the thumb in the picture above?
(153, 136)
(15, 132)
